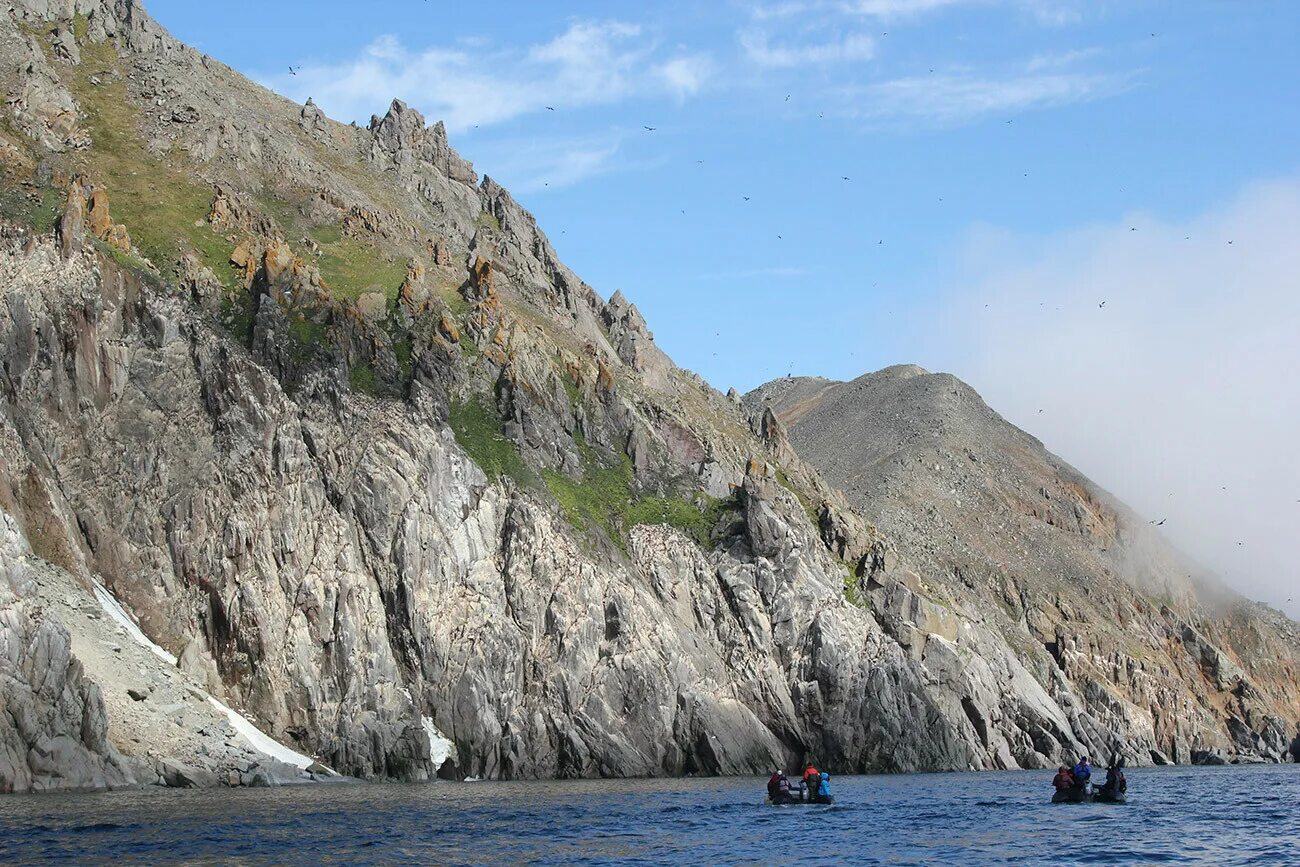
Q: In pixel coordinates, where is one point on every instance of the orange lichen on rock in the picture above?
(100, 222)
(447, 327)
(483, 281)
(439, 252)
(277, 261)
(605, 377)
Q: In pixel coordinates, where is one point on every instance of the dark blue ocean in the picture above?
(1227, 815)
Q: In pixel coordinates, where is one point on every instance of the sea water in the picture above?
(1223, 815)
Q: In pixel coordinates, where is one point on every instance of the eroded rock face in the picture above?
(53, 730)
(351, 571)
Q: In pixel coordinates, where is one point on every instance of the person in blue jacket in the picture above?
(824, 786)
(1082, 772)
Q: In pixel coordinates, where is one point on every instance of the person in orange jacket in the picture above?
(812, 778)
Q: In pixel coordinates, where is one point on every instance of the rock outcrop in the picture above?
(53, 728)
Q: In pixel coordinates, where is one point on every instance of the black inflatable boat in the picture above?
(1073, 795)
(795, 798)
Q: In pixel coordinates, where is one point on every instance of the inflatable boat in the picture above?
(1108, 796)
(795, 797)
(1074, 795)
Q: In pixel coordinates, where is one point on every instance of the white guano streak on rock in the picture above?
(256, 738)
(114, 609)
(260, 740)
(440, 746)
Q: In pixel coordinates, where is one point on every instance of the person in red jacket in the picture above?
(1063, 779)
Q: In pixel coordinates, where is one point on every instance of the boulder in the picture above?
(177, 775)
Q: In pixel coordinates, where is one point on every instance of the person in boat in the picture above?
(1115, 783)
(774, 785)
(824, 786)
(1064, 780)
(812, 778)
(1082, 772)
(783, 786)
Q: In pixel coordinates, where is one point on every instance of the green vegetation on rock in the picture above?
(362, 378)
(478, 430)
(350, 267)
(158, 201)
(605, 496)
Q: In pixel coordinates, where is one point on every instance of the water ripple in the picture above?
(1176, 815)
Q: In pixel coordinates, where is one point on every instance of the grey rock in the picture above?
(177, 775)
(53, 733)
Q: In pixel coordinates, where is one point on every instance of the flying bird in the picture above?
(746, 198)
(293, 71)
(1102, 304)
(650, 128)
(550, 108)
(844, 177)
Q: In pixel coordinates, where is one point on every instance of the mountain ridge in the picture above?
(329, 416)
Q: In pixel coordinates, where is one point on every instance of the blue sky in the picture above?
(999, 152)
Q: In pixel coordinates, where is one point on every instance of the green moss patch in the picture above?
(350, 267)
(362, 378)
(479, 431)
(158, 200)
(605, 497)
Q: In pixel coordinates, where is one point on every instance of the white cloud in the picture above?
(846, 49)
(953, 99)
(1060, 59)
(1051, 13)
(685, 76)
(591, 63)
(530, 165)
(900, 8)
(1179, 395)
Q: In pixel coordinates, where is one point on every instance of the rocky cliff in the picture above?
(329, 417)
(1083, 589)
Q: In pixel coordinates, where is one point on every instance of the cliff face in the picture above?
(331, 419)
(1163, 655)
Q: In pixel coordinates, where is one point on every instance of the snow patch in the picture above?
(256, 738)
(114, 609)
(260, 740)
(440, 746)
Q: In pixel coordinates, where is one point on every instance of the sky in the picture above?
(833, 186)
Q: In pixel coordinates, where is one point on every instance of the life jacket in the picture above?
(812, 777)
(783, 785)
